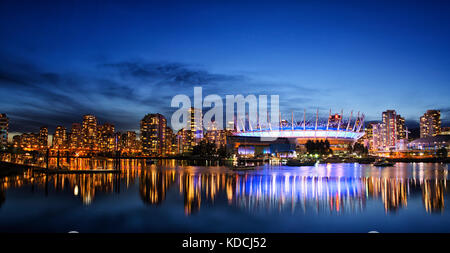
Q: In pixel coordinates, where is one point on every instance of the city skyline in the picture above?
(54, 128)
(131, 60)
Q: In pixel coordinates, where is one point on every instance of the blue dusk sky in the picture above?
(122, 59)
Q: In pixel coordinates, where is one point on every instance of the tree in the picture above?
(204, 149)
(318, 147)
(442, 152)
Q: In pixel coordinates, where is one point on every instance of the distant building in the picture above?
(389, 134)
(4, 124)
(379, 136)
(368, 136)
(89, 132)
(184, 141)
(196, 124)
(401, 128)
(216, 136)
(129, 143)
(76, 137)
(59, 138)
(170, 142)
(432, 143)
(43, 137)
(27, 141)
(105, 137)
(430, 123)
(445, 131)
(153, 134)
(390, 123)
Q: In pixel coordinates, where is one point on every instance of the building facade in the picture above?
(60, 138)
(153, 134)
(390, 134)
(43, 137)
(89, 132)
(4, 124)
(430, 123)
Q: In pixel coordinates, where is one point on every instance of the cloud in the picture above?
(118, 92)
(174, 74)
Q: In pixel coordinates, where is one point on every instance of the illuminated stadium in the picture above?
(287, 137)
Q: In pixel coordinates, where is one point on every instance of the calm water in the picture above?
(410, 197)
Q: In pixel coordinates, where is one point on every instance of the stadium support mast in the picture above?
(292, 120)
(317, 119)
(304, 119)
(329, 116)
(362, 122)
(349, 120)
(356, 122)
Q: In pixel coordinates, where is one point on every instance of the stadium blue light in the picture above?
(300, 132)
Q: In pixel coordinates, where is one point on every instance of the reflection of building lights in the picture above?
(75, 190)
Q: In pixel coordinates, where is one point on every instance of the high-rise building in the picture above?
(131, 140)
(129, 143)
(170, 142)
(106, 137)
(445, 131)
(368, 136)
(401, 128)
(390, 123)
(184, 141)
(215, 135)
(89, 132)
(390, 133)
(43, 137)
(4, 123)
(196, 124)
(59, 138)
(430, 123)
(379, 136)
(153, 134)
(27, 141)
(76, 137)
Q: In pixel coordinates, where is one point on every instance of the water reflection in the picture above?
(337, 188)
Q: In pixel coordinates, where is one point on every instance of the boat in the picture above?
(383, 163)
(296, 162)
(149, 161)
(364, 160)
(243, 167)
